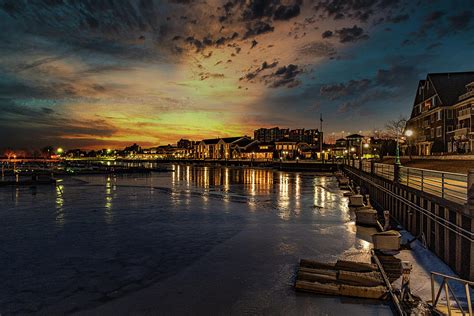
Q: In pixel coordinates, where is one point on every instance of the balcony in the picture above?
(466, 95)
(465, 114)
(421, 138)
(461, 132)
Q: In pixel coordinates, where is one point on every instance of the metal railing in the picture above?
(453, 227)
(357, 164)
(449, 293)
(366, 166)
(384, 170)
(465, 112)
(446, 185)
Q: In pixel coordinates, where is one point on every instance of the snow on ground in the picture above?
(424, 262)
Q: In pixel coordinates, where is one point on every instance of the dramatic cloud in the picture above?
(251, 75)
(327, 34)
(287, 12)
(317, 50)
(284, 76)
(258, 28)
(351, 34)
(90, 73)
(360, 10)
(352, 87)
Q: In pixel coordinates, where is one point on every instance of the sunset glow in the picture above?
(91, 75)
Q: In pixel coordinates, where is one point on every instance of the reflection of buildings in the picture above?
(256, 181)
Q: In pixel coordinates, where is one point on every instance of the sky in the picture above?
(108, 73)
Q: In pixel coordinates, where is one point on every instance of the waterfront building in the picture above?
(433, 117)
(218, 148)
(461, 138)
(268, 135)
(255, 151)
(354, 145)
(224, 146)
(206, 148)
(340, 148)
(185, 143)
(286, 149)
(242, 146)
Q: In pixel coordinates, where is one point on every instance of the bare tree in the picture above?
(395, 128)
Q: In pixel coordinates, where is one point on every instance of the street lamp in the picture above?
(397, 150)
(409, 134)
(366, 146)
(59, 151)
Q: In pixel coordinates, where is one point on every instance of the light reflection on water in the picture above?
(59, 204)
(286, 189)
(108, 200)
(113, 228)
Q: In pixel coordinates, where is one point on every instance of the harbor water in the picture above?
(199, 240)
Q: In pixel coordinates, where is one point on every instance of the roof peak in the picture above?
(450, 73)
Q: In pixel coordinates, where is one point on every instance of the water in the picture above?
(195, 241)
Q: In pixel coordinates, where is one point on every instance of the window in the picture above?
(438, 131)
(439, 115)
(432, 132)
(449, 114)
(450, 128)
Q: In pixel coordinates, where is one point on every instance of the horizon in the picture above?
(91, 75)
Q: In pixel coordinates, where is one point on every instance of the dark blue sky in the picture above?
(108, 73)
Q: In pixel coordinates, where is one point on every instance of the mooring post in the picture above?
(372, 167)
(469, 209)
(396, 173)
(386, 216)
(470, 192)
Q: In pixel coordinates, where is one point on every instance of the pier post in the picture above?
(372, 167)
(469, 209)
(396, 173)
(470, 193)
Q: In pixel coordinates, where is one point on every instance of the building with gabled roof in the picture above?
(433, 117)
(217, 148)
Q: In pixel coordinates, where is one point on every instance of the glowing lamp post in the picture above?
(59, 151)
(409, 134)
(366, 146)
